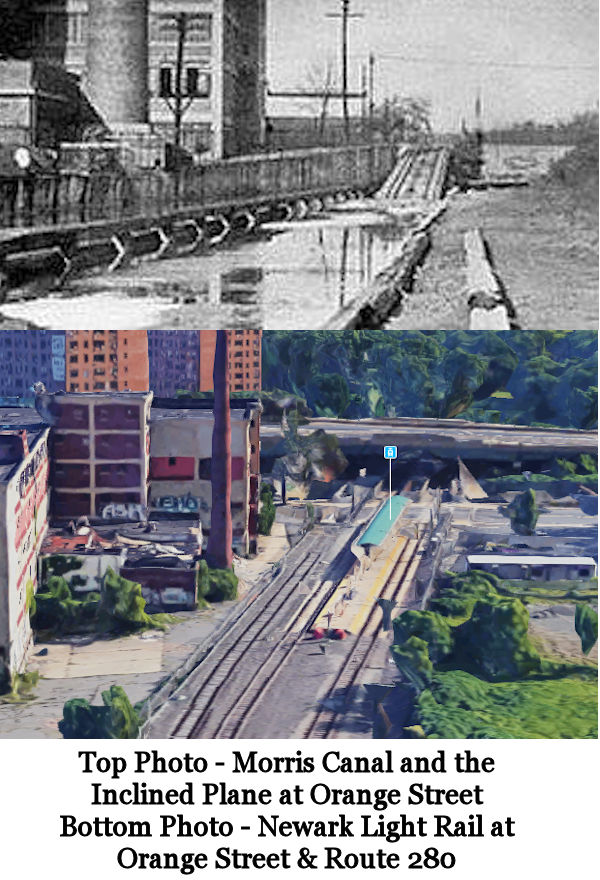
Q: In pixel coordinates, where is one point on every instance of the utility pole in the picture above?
(364, 102)
(371, 95)
(178, 111)
(345, 16)
(179, 98)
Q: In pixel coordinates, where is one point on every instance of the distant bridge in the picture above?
(444, 437)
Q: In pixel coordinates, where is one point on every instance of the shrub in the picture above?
(215, 584)
(494, 643)
(586, 626)
(116, 719)
(412, 660)
(122, 606)
(426, 625)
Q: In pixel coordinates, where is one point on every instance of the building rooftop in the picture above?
(382, 522)
(87, 540)
(13, 453)
(116, 395)
(158, 414)
(504, 558)
(20, 417)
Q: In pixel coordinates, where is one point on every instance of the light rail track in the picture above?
(227, 685)
(323, 721)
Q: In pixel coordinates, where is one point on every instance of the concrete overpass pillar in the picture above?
(117, 61)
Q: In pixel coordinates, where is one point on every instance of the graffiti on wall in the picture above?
(124, 511)
(181, 503)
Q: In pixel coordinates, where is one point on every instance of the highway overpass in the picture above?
(443, 437)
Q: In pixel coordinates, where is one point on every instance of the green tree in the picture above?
(116, 719)
(523, 513)
(266, 517)
(586, 626)
(413, 662)
(122, 606)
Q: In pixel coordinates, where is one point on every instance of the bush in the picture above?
(523, 513)
(55, 609)
(494, 643)
(223, 585)
(426, 625)
(116, 719)
(412, 660)
(215, 584)
(586, 626)
(122, 607)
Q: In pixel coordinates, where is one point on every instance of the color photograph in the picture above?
(321, 534)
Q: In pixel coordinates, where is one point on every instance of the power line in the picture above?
(455, 62)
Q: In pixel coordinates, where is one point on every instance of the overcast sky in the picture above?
(531, 59)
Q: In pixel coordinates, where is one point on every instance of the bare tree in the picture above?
(320, 77)
(402, 119)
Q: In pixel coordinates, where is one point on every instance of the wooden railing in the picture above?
(63, 198)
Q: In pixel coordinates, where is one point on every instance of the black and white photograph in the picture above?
(298, 164)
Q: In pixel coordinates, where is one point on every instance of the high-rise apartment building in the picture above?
(245, 352)
(29, 356)
(162, 361)
(174, 357)
(107, 360)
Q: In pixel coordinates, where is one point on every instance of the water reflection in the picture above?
(294, 276)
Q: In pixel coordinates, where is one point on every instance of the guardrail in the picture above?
(66, 197)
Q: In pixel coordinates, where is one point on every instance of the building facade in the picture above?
(23, 525)
(125, 53)
(29, 356)
(107, 360)
(100, 456)
(180, 465)
(174, 361)
(245, 356)
(183, 360)
(163, 361)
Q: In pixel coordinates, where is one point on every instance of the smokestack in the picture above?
(117, 61)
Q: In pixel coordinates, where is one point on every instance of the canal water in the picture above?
(286, 276)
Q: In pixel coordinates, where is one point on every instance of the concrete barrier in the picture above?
(489, 306)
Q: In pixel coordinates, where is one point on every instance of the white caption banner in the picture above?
(484, 808)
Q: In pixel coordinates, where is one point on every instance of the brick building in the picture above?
(125, 52)
(245, 352)
(23, 525)
(107, 360)
(163, 361)
(100, 456)
(180, 464)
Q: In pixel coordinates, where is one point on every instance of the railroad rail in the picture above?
(224, 689)
(419, 174)
(322, 723)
